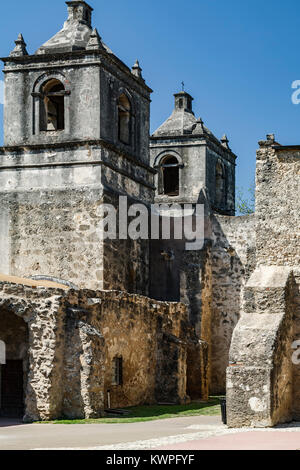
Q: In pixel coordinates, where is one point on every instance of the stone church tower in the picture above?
(190, 159)
(76, 134)
(193, 167)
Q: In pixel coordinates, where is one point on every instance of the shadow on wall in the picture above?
(210, 282)
(233, 261)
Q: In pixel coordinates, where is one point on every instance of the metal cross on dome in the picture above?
(182, 84)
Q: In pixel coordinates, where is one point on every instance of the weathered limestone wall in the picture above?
(46, 233)
(277, 206)
(215, 154)
(50, 216)
(84, 363)
(125, 262)
(204, 324)
(296, 365)
(232, 260)
(40, 310)
(210, 283)
(260, 376)
(151, 337)
(278, 233)
(263, 382)
(74, 337)
(53, 182)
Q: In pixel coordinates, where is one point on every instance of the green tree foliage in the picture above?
(245, 200)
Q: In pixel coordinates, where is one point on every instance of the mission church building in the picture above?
(76, 136)
(88, 323)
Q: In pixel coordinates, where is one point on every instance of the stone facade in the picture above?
(64, 155)
(209, 281)
(67, 341)
(83, 332)
(204, 161)
(263, 378)
(233, 260)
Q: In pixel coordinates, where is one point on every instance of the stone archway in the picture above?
(14, 373)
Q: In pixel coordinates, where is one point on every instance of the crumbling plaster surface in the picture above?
(74, 337)
(260, 375)
(263, 379)
(232, 262)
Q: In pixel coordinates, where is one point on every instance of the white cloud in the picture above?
(1, 92)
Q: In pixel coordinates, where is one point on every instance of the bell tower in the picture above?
(76, 135)
(190, 160)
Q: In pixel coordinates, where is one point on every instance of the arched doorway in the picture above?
(13, 374)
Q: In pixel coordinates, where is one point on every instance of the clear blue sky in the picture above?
(238, 59)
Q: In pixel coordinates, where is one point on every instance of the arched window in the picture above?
(169, 176)
(124, 120)
(220, 184)
(52, 117)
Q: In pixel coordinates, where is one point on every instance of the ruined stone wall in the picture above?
(260, 375)
(151, 338)
(278, 206)
(262, 380)
(74, 336)
(232, 261)
(40, 310)
(278, 233)
(64, 353)
(84, 363)
(296, 338)
(206, 321)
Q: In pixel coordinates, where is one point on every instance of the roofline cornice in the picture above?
(40, 58)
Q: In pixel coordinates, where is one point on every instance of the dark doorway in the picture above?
(12, 395)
